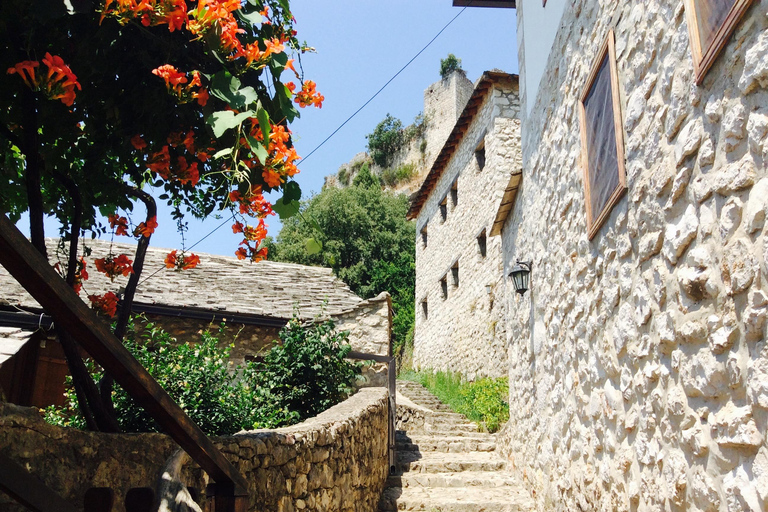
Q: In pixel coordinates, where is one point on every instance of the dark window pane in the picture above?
(601, 140)
(710, 15)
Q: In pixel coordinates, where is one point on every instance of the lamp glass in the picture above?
(521, 278)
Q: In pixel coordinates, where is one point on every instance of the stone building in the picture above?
(255, 300)
(638, 362)
(459, 287)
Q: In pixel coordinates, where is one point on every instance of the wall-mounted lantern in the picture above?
(521, 275)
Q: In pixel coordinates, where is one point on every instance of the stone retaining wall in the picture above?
(638, 360)
(336, 461)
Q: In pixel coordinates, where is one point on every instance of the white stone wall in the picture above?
(466, 331)
(638, 363)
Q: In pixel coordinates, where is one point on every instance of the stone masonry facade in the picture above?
(638, 362)
(336, 461)
(459, 291)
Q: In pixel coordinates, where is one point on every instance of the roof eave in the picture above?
(505, 4)
(507, 202)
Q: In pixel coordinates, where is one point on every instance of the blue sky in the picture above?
(360, 45)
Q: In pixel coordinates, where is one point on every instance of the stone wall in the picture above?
(466, 331)
(638, 360)
(336, 461)
(443, 102)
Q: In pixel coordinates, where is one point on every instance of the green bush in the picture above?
(392, 177)
(450, 64)
(344, 176)
(483, 401)
(386, 140)
(299, 379)
(307, 373)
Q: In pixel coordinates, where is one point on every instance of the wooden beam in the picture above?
(29, 490)
(36, 275)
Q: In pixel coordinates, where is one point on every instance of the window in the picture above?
(480, 155)
(455, 273)
(444, 286)
(455, 193)
(602, 141)
(444, 208)
(710, 24)
(481, 243)
(424, 308)
(424, 236)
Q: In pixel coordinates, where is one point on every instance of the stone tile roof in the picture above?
(11, 341)
(482, 87)
(219, 283)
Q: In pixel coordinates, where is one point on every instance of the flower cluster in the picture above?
(308, 95)
(253, 205)
(180, 85)
(183, 166)
(106, 303)
(119, 224)
(59, 83)
(181, 261)
(113, 266)
(146, 229)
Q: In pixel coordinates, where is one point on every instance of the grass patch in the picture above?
(482, 401)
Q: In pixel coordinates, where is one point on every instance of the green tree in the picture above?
(386, 140)
(365, 239)
(106, 105)
(450, 64)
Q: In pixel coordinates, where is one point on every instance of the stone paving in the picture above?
(449, 466)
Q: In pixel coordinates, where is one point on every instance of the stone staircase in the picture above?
(447, 465)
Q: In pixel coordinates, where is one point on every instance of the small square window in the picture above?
(481, 244)
(710, 25)
(455, 193)
(424, 236)
(480, 155)
(455, 274)
(425, 308)
(444, 286)
(444, 208)
(602, 141)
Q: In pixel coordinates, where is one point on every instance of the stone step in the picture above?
(477, 479)
(438, 462)
(459, 499)
(444, 433)
(453, 444)
(448, 427)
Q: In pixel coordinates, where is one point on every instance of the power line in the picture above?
(385, 85)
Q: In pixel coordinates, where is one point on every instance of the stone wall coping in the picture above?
(350, 410)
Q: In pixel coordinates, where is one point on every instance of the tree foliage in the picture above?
(107, 104)
(386, 140)
(365, 239)
(450, 64)
(300, 377)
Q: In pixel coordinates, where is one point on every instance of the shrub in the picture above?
(483, 401)
(307, 373)
(450, 64)
(343, 176)
(386, 140)
(299, 379)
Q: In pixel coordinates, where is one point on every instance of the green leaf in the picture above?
(258, 149)
(225, 120)
(254, 18)
(263, 116)
(291, 191)
(285, 209)
(221, 154)
(313, 246)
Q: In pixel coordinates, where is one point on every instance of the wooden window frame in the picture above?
(596, 220)
(444, 286)
(455, 274)
(455, 193)
(703, 58)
